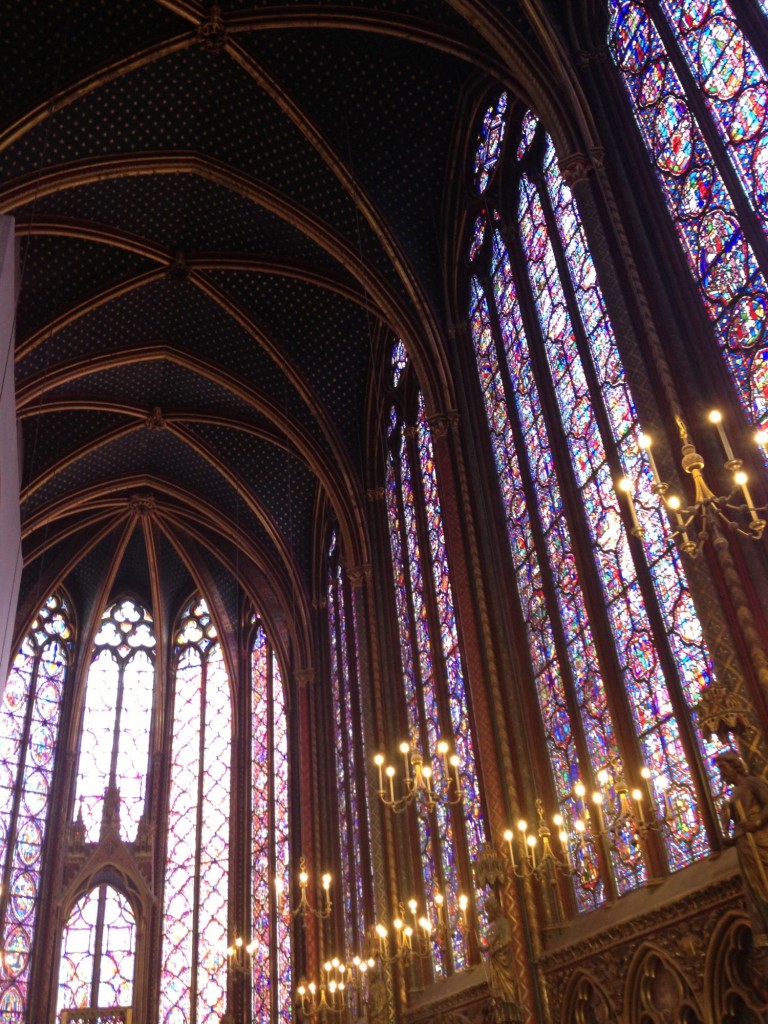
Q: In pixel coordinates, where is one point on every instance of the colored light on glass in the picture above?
(723, 264)
(29, 726)
(489, 144)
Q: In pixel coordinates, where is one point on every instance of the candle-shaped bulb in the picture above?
(522, 825)
(715, 416)
(327, 966)
(761, 437)
(644, 441)
(645, 771)
(442, 747)
(674, 502)
(637, 795)
(597, 798)
(531, 840)
(303, 879)
(381, 931)
(238, 942)
(301, 990)
(279, 886)
(740, 477)
(426, 771)
(580, 826)
(335, 963)
(563, 837)
(230, 951)
(412, 905)
(404, 747)
(326, 881)
(389, 771)
(603, 777)
(439, 899)
(454, 761)
(463, 901)
(397, 924)
(312, 988)
(508, 835)
(378, 760)
(579, 789)
(557, 820)
(625, 484)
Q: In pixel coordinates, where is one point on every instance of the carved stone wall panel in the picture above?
(685, 962)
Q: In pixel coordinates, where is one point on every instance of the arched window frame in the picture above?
(24, 751)
(349, 746)
(204, 958)
(126, 632)
(562, 515)
(712, 180)
(435, 697)
(91, 982)
(270, 914)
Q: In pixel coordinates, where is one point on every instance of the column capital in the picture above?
(358, 574)
(305, 677)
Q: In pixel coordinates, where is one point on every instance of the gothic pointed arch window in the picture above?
(349, 748)
(270, 848)
(98, 952)
(196, 887)
(698, 89)
(599, 606)
(117, 718)
(433, 675)
(29, 730)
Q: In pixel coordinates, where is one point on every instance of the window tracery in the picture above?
(711, 162)
(29, 726)
(114, 748)
(436, 701)
(270, 851)
(540, 327)
(196, 891)
(98, 952)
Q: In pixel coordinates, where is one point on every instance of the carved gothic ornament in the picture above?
(689, 961)
(470, 1005)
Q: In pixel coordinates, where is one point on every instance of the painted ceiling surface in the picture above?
(222, 211)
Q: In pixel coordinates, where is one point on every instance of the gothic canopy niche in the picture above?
(220, 209)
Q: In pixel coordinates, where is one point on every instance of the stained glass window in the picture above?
(270, 852)
(114, 749)
(568, 349)
(707, 171)
(98, 950)
(194, 962)
(433, 673)
(489, 144)
(350, 751)
(29, 728)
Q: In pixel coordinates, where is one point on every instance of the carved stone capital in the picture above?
(358, 574)
(575, 168)
(305, 677)
(375, 494)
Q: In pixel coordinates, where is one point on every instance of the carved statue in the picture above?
(749, 813)
(376, 1003)
(502, 976)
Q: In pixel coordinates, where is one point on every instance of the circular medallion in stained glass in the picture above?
(652, 83)
(47, 700)
(631, 35)
(673, 143)
(696, 192)
(747, 321)
(748, 113)
(23, 893)
(527, 132)
(35, 792)
(489, 144)
(760, 171)
(28, 842)
(694, 13)
(722, 257)
(759, 388)
(478, 235)
(16, 951)
(42, 744)
(721, 58)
